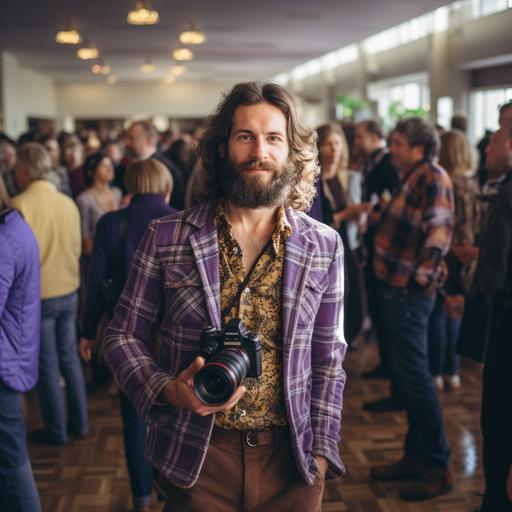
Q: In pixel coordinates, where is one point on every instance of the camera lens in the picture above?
(221, 375)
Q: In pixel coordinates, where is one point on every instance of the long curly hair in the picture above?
(301, 140)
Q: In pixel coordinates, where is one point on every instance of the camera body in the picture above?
(236, 336)
(231, 355)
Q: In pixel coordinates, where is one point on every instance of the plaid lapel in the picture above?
(298, 256)
(205, 247)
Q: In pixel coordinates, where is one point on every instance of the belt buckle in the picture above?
(247, 439)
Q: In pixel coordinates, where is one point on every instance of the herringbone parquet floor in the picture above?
(90, 475)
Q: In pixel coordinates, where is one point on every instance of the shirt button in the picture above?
(247, 290)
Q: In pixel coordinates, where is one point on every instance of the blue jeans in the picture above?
(59, 356)
(18, 492)
(443, 332)
(404, 321)
(140, 469)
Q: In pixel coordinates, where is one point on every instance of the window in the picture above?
(484, 110)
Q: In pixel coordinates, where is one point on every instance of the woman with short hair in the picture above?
(117, 237)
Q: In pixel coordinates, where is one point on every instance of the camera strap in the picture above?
(245, 282)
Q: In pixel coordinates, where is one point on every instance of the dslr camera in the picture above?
(231, 354)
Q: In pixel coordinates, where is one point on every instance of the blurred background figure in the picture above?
(117, 237)
(55, 221)
(20, 305)
(98, 198)
(459, 159)
(7, 164)
(342, 209)
(141, 144)
(59, 176)
(182, 153)
(73, 157)
(459, 122)
(380, 180)
(114, 149)
(494, 279)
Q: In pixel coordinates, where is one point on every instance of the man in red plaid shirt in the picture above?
(412, 236)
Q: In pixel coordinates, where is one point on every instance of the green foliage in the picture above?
(397, 111)
(350, 104)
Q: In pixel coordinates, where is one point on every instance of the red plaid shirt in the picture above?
(415, 229)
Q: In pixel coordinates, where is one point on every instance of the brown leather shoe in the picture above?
(405, 468)
(434, 481)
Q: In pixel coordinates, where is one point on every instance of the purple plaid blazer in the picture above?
(174, 283)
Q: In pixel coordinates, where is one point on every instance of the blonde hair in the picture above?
(457, 155)
(148, 177)
(35, 158)
(324, 132)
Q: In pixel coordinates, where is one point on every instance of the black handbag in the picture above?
(113, 285)
(475, 328)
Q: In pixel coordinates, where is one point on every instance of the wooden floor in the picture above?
(90, 475)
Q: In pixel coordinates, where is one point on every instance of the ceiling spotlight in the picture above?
(88, 52)
(182, 54)
(68, 36)
(142, 14)
(177, 70)
(192, 35)
(111, 79)
(106, 69)
(147, 67)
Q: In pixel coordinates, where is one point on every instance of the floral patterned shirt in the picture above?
(262, 405)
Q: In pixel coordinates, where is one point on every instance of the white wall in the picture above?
(127, 99)
(24, 93)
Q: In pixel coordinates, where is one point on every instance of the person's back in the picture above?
(20, 306)
(116, 239)
(55, 221)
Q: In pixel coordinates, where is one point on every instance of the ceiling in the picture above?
(250, 40)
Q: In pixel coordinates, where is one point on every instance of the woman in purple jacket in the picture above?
(20, 313)
(151, 184)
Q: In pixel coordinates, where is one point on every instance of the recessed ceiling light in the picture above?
(142, 14)
(68, 36)
(182, 54)
(88, 52)
(192, 35)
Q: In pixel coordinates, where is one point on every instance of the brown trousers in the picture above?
(240, 477)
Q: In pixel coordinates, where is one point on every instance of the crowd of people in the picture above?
(424, 225)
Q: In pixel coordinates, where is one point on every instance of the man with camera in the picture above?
(243, 394)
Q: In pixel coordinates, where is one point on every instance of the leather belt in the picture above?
(251, 438)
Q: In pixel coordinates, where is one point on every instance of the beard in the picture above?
(248, 191)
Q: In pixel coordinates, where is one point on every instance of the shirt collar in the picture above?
(281, 233)
(42, 183)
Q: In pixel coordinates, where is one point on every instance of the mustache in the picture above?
(257, 164)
